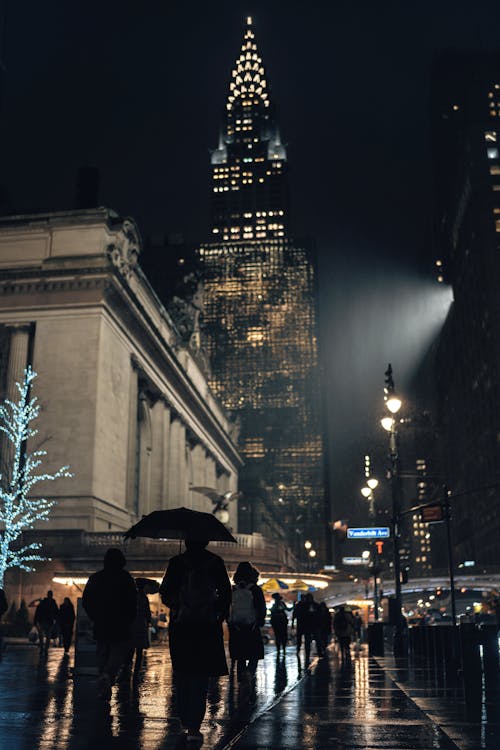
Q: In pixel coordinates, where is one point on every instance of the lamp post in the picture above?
(367, 492)
(389, 423)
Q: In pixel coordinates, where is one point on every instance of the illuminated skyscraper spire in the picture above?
(249, 165)
(259, 314)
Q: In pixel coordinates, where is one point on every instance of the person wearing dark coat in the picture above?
(140, 629)
(279, 622)
(46, 615)
(306, 613)
(245, 640)
(325, 625)
(110, 600)
(66, 622)
(197, 591)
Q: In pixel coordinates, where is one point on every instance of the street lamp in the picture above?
(308, 544)
(372, 483)
(389, 423)
(366, 491)
(312, 553)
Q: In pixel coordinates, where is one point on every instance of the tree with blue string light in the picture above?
(19, 510)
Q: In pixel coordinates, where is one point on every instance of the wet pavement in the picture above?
(370, 705)
(465, 705)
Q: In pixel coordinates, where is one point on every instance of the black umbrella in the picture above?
(180, 523)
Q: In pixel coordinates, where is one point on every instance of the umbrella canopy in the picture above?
(299, 585)
(180, 523)
(273, 585)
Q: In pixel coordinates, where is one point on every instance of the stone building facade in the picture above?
(124, 400)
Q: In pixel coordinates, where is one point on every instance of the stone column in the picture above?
(18, 357)
(177, 484)
(165, 452)
(132, 448)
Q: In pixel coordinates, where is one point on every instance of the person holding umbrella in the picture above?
(197, 590)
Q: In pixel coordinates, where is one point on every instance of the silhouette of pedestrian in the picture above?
(46, 615)
(66, 622)
(279, 622)
(140, 629)
(306, 613)
(343, 626)
(197, 590)
(110, 600)
(325, 625)
(248, 614)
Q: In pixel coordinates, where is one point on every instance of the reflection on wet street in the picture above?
(357, 706)
(42, 706)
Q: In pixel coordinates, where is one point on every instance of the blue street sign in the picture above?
(371, 532)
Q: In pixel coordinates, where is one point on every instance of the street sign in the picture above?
(371, 532)
(432, 513)
(353, 561)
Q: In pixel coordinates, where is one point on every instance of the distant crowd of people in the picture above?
(199, 595)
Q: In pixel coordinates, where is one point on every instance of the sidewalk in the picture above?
(353, 708)
(370, 705)
(467, 710)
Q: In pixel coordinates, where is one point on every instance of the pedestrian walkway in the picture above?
(467, 710)
(359, 707)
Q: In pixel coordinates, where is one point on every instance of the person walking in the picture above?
(66, 622)
(343, 626)
(248, 614)
(46, 615)
(279, 623)
(140, 628)
(306, 613)
(110, 600)
(197, 590)
(3, 610)
(325, 625)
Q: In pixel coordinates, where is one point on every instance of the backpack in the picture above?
(197, 597)
(243, 608)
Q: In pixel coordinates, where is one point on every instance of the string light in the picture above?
(18, 510)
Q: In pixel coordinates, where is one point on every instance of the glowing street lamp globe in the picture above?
(308, 544)
(366, 491)
(312, 553)
(393, 404)
(372, 483)
(387, 423)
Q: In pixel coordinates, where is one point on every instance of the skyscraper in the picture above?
(260, 318)
(466, 139)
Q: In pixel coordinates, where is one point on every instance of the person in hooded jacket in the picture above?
(245, 639)
(110, 600)
(197, 591)
(279, 622)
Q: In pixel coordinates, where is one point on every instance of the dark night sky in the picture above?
(137, 89)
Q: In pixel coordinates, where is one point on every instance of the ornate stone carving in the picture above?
(124, 252)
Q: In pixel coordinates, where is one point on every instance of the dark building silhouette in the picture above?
(466, 143)
(259, 316)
